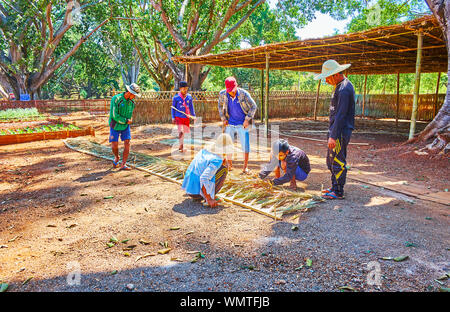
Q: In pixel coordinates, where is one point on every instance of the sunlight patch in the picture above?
(378, 201)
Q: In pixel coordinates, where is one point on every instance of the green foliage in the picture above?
(40, 129)
(20, 114)
(387, 12)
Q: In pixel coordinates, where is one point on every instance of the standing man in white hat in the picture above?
(341, 125)
(120, 118)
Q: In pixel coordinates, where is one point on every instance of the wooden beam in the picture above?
(363, 108)
(262, 96)
(412, 128)
(266, 102)
(437, 95)
(397, 103)
(317, 99)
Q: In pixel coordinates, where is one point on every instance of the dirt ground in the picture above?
(60, 208)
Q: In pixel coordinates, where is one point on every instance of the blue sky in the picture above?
(323, 25)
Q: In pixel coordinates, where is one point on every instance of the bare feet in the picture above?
(293, 186)
(245, 171)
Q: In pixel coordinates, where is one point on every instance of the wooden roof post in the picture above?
(186, 72)
(397, 103)
(266, 102)
(262, 96)
(363, 108)
(317, 99)
(412, 127)
(437, 95)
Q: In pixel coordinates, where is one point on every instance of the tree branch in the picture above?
(239, 23)
(44, 77)
(175, 34)
(229, 13)
(138, 50)
(49, 20)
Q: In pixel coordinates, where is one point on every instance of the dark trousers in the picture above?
(336, 162)
(221, 175)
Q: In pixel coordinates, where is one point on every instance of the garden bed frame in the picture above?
(51, 135)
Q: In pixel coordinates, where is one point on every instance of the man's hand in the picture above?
(246, 123)
(129, 121)
(331, 143)
(225, 123)
(173, 120)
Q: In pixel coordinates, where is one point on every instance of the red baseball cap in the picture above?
(231, 84)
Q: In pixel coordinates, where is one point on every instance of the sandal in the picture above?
(125, 167)
(332, 195)
(116, 164)
(328, 190)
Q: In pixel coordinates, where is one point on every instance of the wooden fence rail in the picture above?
(154, 107)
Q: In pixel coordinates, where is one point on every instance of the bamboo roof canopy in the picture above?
(382, 50)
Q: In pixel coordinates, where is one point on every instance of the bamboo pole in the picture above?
(363, 108)
(317, 99)
(397, 103)
(437, 95)
(412, 127)
(186, 72)
(262, 95)
(266, 102)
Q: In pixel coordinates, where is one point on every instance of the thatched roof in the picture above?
(382, 50)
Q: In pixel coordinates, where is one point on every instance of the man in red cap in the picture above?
(237, 109)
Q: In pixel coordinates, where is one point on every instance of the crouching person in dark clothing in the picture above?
(289, 160)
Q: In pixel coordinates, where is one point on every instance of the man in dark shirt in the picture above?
(292, 160)
(342, 123)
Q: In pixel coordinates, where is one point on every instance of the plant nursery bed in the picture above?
(16, 138)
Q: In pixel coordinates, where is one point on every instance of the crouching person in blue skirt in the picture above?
(290, 160)
(206, 174)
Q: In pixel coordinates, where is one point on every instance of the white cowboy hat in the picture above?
(134, 89)
(223, 145)
(330, 68)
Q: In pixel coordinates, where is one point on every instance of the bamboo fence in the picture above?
(155, 107)
(56, 107)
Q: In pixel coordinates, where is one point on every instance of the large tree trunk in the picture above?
(130, 71)
(439, 129)
(196, 76)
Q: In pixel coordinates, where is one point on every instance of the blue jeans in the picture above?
(244, 136)
(300, 175)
